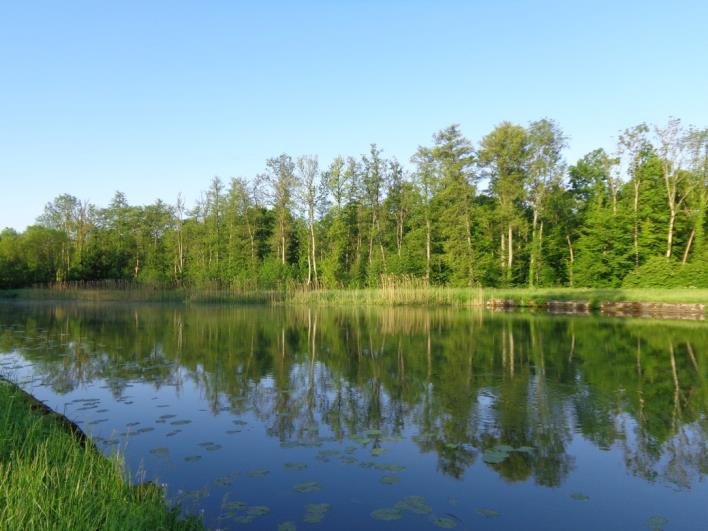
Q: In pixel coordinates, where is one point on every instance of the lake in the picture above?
(383, 418)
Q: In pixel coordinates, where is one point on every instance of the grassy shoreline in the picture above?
(50, 478)
(422, 296)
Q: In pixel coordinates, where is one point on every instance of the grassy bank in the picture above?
(523, 297)
(50, 479)
(433, 296)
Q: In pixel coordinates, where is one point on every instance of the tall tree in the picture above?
(504, 156)
(546, 168)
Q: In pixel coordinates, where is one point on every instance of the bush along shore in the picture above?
(53, 477)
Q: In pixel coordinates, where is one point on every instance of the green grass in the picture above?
(388, 296)
(49, 480)
(480, 296)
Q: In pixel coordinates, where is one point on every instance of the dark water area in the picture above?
(383, 418)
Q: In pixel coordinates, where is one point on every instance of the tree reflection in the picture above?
(458, 382)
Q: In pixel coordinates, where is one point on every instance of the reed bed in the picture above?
(392, 292)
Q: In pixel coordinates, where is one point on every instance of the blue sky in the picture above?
(155, 98)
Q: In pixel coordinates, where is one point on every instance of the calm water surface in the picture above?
(383, 418)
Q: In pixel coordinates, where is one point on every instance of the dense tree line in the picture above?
(507, 211)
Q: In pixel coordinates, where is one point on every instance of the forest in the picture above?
(506, 211)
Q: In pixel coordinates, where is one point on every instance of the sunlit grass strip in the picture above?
(480, 296)
(392, 294)
(50, 480)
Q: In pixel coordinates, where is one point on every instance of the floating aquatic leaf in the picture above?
(244, 519)
(389, 480)
(494, 456)
(99, 421)
(258, 510)
(579, 496)
(161, 452)
(295, 466)
(180, 422)
(360, 439)
(131, 424)
(223, 482)
(315, 512)
(172, 433)
(387, 514)
(657, 523)
(101, 410)
(164, 417)
(144, 430)
(286, 526)
(327, 453)
(235, 505)
(444, 522)
(504, 448)
(378, 451)
(414, 504)
(391, 438)
(389, 467)
(372, 433)
(240, 422)
(348, 459)
(488, 513)
(258, 473)
(524, 449)
(192, 458)
(310, 486)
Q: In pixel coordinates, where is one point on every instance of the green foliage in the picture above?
(501, 213)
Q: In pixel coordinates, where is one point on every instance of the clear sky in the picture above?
(155, 98)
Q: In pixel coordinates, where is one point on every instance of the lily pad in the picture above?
(315, 512)
(657, 523)
(348, 459)
(378, 451)
(389, 467)
(579, 496)
(192, 458)
(235, 505)
(172, 433)
(286, 526)
(258, 510)
(160, 452)
(258, 473)
(488, 513)
(295, 466)
(494, 456)
(310, 486)
(387, 514)
(389, 480)
(414, 504)
(180, 422)
(445, 522)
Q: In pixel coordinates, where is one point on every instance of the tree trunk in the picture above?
(688, 246)
(670, 236)
(571, 257)
(427, 251)
(510, 261)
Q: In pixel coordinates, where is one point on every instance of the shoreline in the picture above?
(655, 303)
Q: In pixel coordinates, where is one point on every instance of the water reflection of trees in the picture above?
(459, 382)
